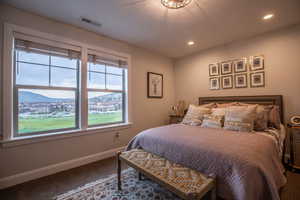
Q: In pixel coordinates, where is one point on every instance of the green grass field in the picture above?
(29, 125)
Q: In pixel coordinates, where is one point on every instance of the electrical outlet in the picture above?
(117, 136)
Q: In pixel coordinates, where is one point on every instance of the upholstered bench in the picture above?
(186, 183)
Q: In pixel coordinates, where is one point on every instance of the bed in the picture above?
(247, 165)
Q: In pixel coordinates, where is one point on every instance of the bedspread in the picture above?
(246, 165)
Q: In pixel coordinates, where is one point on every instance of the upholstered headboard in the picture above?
(262, 100)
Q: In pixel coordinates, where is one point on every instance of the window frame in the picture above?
(16, 88)
(9, 100)
(16, 118)
(122, 91)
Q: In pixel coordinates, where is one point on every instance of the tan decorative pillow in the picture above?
(267, 116)
(261, 119)
(218, 111)
(274, 117)
(212, 121)
(245, 104)
(195, 115)
(240, 118)
(209, 105)
(225, 105)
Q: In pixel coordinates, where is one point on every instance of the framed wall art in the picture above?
(240, 81)
(226, 67)
(227, 82)
(214, 69)
(257, 79)
(154, 85)
(240, 65)
(214, 83)
(257, 63)
(237, 73)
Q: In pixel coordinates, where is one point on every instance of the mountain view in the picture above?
(39, 113)
(26, 97)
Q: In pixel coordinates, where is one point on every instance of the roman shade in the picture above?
(101, 58)
(29, 46)
(44, 46)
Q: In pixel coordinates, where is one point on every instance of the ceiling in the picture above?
(147, 24)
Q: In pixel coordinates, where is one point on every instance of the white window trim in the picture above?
(63, 135)
(9, 29)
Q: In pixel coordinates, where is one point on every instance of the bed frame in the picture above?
(262, 100)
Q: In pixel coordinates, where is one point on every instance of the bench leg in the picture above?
(213, 194)
(119, 171)
(140, 176)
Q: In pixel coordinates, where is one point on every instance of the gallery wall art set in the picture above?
(239, 73)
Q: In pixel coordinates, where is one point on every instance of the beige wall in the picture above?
(146, 112)
(282, 67)
(282, 58)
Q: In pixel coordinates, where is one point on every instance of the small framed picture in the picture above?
(240, 65)
(227, 82)
(226, 68)
(257, 63)
(213, 69)
(155, 85)
(214, 83)
(257, 79)
(240, 81)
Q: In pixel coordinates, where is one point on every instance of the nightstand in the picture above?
(294, 143)
(175, 119)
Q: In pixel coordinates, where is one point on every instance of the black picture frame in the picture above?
(240, 63)
(257, 63)
(231, 82)
(218, 83)
(224, 65)
(261, 84)
(149, 78)
(210, 69)
(236, 76)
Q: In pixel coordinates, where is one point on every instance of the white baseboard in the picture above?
(52, 169)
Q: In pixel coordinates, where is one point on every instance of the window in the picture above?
(106, 91)
(46, 88)
(56, 85)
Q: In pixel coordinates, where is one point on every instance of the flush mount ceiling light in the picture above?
(268, 16)
(175, 4)
(190, 43)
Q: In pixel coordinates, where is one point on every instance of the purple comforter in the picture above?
(247, 165)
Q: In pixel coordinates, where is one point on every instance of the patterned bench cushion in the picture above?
(183, 181)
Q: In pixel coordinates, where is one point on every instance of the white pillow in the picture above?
(194, 115)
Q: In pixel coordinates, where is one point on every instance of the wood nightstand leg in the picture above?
(119, 171)
(213, 194)
(291, 147)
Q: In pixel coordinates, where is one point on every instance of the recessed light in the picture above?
(190, 43)
(268, 16)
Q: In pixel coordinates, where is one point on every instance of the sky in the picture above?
(38, 75)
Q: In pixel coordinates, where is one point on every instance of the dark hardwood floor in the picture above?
(50, 186)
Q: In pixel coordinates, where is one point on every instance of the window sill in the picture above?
(62, 135)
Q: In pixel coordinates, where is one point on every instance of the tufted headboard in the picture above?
(262, 100)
